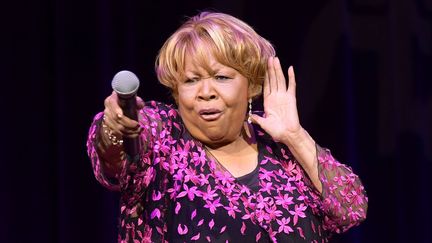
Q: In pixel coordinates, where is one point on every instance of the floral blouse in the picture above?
(179, 193)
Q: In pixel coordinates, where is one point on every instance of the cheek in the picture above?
(185, 98)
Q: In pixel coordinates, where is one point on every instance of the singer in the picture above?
(210, 168)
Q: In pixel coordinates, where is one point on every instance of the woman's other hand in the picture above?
(281, 118)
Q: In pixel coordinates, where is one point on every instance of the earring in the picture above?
(249, 120)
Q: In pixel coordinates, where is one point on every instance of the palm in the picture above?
(281, 119)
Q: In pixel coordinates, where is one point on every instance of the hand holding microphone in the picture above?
(121, 112)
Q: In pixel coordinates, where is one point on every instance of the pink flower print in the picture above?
(261, 203)
(247, 202)
(173, 191)
(229, 188)
(283, 225)
(172, 113)
(261, 216)
(273, 212)
(162, 134)
(266, 187)
(284, 154)
(301, 233)
(284, 201)
(177, 208)
(288, 187)
(211, 224)
(200, 222)
(265, 174)
(224, 177)
(193, 214)
(269, 149)
(182, 151)
(258, 237)
(199, 158)
(191, 192)
(249, 215)
(231, 209)
(357, 198)
(203, 180)
(245, 189)
(156, 195)
(191, 176)
(243, 228)
(209, 194)
(339, 180)
(298, 212)
(353, 215)
(181, 230)
(179, 175)
(213, 205)
(264, 161)
(155, 213)
(222, 229)
(196, 237)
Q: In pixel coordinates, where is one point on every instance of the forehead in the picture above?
(209, 65)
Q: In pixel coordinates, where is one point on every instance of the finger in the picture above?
(292, 82)
(140, 103)
(281, 82)
(266, 84)
(272, 75)
(131, 129)
(257, 120)
(111, 102)
(112, 126)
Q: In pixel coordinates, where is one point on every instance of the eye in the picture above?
(190, 80)
(221, 77)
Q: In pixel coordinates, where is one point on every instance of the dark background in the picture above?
(364, 90)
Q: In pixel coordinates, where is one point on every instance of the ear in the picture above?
(254, 90)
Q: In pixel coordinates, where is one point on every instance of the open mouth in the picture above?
(210, 114)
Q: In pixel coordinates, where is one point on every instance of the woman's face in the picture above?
(213, 103)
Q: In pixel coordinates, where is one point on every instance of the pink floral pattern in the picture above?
(177, 193)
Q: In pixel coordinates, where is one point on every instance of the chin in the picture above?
(213, 140)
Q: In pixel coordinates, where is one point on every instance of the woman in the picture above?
(210, 170)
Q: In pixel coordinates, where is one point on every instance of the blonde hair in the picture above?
(231, 41)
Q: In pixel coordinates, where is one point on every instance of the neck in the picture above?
(245, 139)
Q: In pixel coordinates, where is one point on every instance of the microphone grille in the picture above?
(125, 83)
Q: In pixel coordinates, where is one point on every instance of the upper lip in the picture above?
(208, 111)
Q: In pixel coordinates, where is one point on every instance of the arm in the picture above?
(104, 145)
(281, 119)
(343, 199)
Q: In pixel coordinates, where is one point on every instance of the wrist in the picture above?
(294, 139)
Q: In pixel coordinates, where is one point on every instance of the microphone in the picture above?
(125, 84)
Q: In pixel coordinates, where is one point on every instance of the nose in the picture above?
(207, 91)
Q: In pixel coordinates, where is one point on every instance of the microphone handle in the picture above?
(131, 145)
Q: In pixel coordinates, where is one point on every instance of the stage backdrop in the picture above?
(364, 79)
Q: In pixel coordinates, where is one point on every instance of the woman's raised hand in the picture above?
(115, 124)
(281, 118)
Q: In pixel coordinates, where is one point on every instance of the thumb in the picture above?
(257, 119)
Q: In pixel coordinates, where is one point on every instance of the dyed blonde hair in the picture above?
(231, 41)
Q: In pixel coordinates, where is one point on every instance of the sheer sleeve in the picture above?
(92, 141)
(134, 177)
(344, 200)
